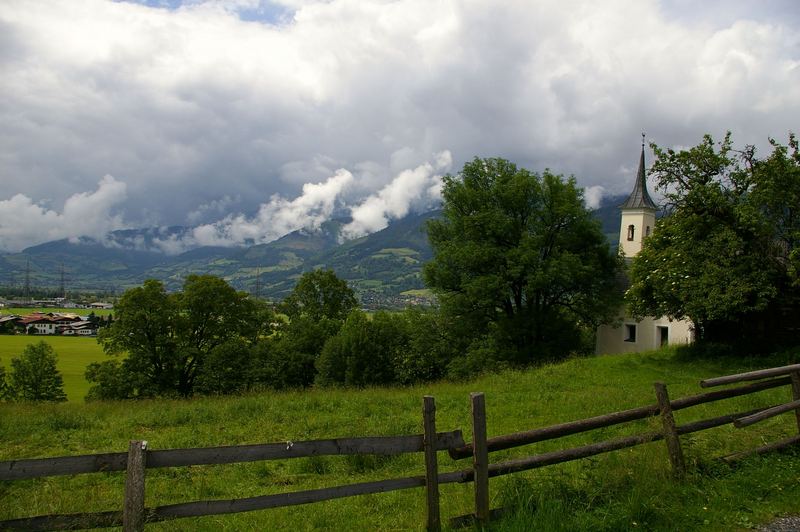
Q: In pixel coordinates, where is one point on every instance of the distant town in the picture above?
(52, 323)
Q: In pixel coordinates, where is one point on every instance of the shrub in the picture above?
(227, 369)
(364, 350)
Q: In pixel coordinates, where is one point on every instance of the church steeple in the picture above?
(638, 214)
(640, 198)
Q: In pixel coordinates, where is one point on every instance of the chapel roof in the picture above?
(640, 198)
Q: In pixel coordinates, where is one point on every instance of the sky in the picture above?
(249, 119)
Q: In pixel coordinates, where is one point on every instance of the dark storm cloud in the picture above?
(195, 107)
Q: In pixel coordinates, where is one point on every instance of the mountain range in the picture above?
(384, 268)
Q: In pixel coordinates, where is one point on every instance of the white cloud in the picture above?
(593, 196)
(276, 218)
(24, 223)
(419, 187)
(195, 104)
(214, 207)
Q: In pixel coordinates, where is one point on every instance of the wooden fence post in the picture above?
(796, 394)
(431, 463)
(670, 432)
(480, 457)
(133, 511)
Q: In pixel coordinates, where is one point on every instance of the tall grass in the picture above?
(624, 490)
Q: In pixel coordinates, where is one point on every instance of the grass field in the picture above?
(74, 354)
(624, 490)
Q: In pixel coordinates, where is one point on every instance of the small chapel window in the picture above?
(630, 232)
(647, 231)
(630, 332)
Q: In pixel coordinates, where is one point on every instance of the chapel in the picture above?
(626, 334)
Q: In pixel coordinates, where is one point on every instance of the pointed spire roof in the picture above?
(640, 198)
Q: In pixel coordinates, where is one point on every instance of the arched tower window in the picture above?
(647, 231)
(630, 232)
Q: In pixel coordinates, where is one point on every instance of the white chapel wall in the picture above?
(648, 335)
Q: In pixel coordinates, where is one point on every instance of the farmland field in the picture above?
(74, 354)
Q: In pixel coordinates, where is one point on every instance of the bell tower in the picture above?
(638, 214)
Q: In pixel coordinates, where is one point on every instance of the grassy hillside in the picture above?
(625, 490)
(74, 354)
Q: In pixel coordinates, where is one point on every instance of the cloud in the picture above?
(217, 206)
(274, 219)
(208, 99)
(419, 187)
(593, 196)
(24, 223)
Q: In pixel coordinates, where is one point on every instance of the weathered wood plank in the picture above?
(64, 521)
(705, 424)
(566, 455)
(91, 463)
(795, 376)
(386, 445)
(527, 437)
(766, 413)
(708, 397)
(480, 457)
(133, 508)
(670, 432)
(776, 446)
(194, 509)
(750, 376)
(433, 519)
(63, 465)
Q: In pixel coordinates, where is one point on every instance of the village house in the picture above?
(54, 323)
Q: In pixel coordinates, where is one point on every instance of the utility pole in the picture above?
(28, 280)
(62, 291)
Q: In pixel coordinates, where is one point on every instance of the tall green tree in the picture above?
(364, 351)
(520, 264)
(167, 337)
(35, 376)
(724, 255)
(320, 294)
(145, 333)
(212, 313)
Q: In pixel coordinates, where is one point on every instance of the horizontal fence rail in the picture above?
(551, 432)
(767, 413)
(92, 463)
(139, 458)
(750, 376)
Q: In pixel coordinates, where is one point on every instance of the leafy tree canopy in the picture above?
(364, 351)
(320, 294)
(34, 375)
(167, 337)
(726, 254)
(519, 260)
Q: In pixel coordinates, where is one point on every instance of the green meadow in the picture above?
(74, 354)
(631, 489)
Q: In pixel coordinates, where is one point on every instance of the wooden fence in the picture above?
(138, 458)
